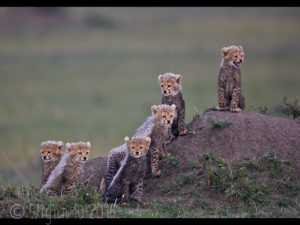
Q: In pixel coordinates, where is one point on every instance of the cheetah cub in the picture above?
(78, 153)
(170, 85)
(229, 81)
(130, 177)
(117, 155)
(51, 153)
(164, 116)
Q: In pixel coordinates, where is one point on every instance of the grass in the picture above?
(217, 123)
(208, 187)
(92, 76)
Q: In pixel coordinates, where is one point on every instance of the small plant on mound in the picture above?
(218, 173)
(253, 188)
(263, 109)
(217, 123)
(291, 108)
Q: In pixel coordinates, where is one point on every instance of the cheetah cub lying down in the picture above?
(229, 82)
(128, 181)
(51, 153)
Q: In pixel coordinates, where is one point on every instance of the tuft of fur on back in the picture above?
(145, 129)
(123, 163)
(56, 172)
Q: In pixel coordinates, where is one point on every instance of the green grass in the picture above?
(263, 187)
(93, 76)
(217, 123)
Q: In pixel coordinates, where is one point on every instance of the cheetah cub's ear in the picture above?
(126, 139)
(178, 78)
(68, 146)
(240, 47)
(160, 77)
(60, 146)
(148, 139)
(173, 106)
(88, 144)
(154, 109)
(224, 51)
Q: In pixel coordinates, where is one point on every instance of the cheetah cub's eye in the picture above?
(169, 86)
(162, 86)
(164, 116)
(235, 56)
(171, 115)
(49, 152)
(132, 147)
(141, 147)
(80, 153)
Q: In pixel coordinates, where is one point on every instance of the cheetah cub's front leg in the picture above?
(125, 192)
(164, 152)
(221, 99)
(234, 101)
(154, 162)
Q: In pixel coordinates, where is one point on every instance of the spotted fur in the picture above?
(164, 115)
(229, 80)
(51, 153)
(170, 85)
(53, 186)
(78, 154)
(130, 178)
(117, 156)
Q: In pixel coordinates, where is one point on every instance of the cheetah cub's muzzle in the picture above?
(138, 146)
(79, 150)
(51, 150)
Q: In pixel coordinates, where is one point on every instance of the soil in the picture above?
(248, 136)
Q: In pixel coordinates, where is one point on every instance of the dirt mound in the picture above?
(235, 137)
(247, 135)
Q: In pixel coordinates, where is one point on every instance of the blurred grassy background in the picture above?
(90, 74)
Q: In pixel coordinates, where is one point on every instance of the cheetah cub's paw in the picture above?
(183, 132)
(124, 203)
(221, 108)
(237, 109)
(157, 173)
(143, 202)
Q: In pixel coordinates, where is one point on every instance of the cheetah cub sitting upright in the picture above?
(51, 153)
(170, 85)
(78, 153)
(129, 179)
(164, 116)
(229, 81)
